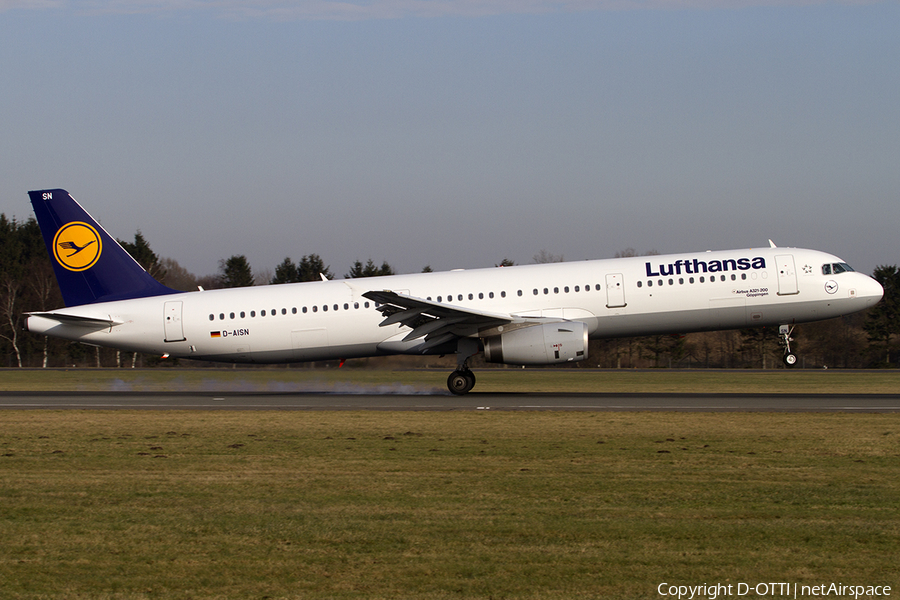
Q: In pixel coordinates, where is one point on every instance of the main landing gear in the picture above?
(462, 379)
(785, 331)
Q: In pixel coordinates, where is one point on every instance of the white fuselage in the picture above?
(614, 298)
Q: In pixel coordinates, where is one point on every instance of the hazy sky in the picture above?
(458, 133)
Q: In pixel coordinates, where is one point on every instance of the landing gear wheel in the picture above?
(784, 332)
(460, 382)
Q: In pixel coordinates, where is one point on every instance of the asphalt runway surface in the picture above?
(314, 401)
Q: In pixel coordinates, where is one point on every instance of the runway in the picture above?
(439, 402)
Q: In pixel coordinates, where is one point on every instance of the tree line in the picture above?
(27, 284)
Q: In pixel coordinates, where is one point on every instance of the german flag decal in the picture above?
(214, 334)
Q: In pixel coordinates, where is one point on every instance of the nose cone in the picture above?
(871, 291)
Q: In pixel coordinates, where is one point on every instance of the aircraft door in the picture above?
(172, 320)
(615, 290)
(787, 275)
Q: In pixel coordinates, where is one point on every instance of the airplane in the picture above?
(522, 315)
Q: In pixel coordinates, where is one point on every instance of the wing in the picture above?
(438, 323)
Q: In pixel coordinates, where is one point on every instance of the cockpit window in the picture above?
(836, 268)
(841, 268)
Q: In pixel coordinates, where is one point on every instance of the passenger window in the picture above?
(650, 283)
(577, 288)
(491, 295)
(546, 291)
(640, 284)
(315, 309)
(324, 308)
(520, 292)
(243, 314)
(598, 287)
(671, 282)
(304, 310)
(252, 313)
(212, 317)
(459, 297)
(503, 294)
(480, 296)
(284, 311)
(439, 298)
(294, 310)
(535, 291)
(471, 297)
(221, 316)
(231, 315)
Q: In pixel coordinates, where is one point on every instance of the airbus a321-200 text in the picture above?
(523, 315)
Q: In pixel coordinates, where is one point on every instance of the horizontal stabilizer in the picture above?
(65, 319)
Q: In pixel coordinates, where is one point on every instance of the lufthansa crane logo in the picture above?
(77, 246)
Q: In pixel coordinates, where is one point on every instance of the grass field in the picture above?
(434, 381)
(441, 505)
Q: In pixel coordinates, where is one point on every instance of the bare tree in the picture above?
(9, 295)
(543, 257)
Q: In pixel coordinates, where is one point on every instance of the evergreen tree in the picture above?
(141, 252)
(312, 267)
(369, 270)
(286, 272)
(883, 320)
(235, 272)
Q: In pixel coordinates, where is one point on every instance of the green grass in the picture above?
(489, 380)
(128, 504)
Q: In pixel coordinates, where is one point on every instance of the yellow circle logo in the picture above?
(77, 246)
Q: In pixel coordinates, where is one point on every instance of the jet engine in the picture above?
(544, 344)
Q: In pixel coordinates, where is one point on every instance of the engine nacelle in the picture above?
(545, 344)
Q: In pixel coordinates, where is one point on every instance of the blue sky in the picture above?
(456, 134)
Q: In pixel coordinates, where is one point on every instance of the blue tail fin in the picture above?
(90, 265)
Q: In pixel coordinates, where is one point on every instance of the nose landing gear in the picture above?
(785, 331)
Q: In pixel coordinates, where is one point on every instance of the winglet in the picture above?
(89, 264)
(772, 244)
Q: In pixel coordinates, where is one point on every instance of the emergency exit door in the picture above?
(615, 290)
(787, 275)
(172, 322)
